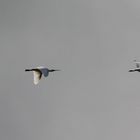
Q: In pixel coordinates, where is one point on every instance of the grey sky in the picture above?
(94, 43)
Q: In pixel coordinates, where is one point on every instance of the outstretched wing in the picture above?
(37, 76)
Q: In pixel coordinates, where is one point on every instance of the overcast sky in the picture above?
(94, 43)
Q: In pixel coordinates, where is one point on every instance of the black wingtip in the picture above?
(131, 70)
(52, 70)
(27, 70)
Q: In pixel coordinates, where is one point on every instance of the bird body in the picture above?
(38, 72)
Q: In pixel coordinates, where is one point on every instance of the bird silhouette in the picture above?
(38, 72)
(137, 67)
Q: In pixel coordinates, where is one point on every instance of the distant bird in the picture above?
(137, 67)
(37, 73)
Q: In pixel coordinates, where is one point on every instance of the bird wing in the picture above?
(37, 76)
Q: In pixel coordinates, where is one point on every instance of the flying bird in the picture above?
(137, 67)
(38, 72)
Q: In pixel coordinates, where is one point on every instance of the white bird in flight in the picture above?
(38, 72)
(137, 67)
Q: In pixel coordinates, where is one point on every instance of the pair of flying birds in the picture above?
(38, 72)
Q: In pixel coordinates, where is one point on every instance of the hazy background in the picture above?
(94, 43)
